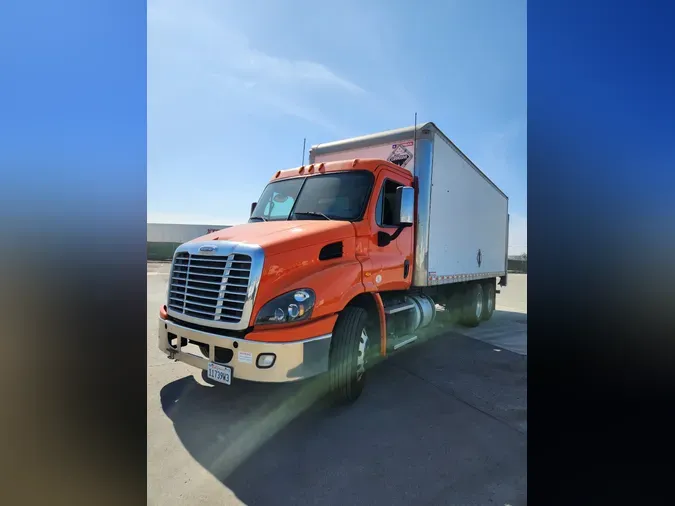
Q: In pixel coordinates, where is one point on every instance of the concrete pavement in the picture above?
(443, 422)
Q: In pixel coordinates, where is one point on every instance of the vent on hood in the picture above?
(330, 251)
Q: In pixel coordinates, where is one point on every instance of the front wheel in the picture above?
(348, 355)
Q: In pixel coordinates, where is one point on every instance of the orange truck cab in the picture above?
(334, 267)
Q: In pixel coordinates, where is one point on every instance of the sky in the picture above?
(234, 87)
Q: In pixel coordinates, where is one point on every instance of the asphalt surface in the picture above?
(442, 422)
(507, 329)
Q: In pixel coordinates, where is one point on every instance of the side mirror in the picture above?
(405, 205)
(253, 207)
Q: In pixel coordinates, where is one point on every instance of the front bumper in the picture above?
(294, 361)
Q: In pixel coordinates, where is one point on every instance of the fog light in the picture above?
(266, 360)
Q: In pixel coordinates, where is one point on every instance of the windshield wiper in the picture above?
(312, 213)
(258, 217)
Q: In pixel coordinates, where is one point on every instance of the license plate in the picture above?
(220, 373)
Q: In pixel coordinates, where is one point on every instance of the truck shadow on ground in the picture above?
(283, 444)
(515, 316)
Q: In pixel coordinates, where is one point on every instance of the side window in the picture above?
(385, 204)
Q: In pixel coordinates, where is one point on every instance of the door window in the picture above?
(386, 204)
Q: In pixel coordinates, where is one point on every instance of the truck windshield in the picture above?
(339, 196)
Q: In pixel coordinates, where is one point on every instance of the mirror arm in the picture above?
(395, 235)
(384, 239)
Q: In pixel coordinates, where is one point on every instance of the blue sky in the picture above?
(234, 87)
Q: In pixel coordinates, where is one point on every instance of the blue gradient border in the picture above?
(601, 169)
(73, 201)
(601, 195)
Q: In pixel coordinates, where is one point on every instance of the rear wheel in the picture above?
(349, 355)
(489, 298)
(473, 305)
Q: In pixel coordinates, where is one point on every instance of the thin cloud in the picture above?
(191, 45)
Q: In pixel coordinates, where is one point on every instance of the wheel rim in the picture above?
(490, 304)
(479, 305)
(361, 357)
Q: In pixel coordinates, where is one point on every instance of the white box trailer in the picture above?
(462, 220)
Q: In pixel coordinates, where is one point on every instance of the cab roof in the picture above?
(369, 164)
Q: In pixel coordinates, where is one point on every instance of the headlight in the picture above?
(291, 307)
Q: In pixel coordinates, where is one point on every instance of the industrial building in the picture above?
(164, 238)
(518, 264)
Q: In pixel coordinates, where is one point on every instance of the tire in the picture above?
(348, 357)
(473, 305)
(489, 299)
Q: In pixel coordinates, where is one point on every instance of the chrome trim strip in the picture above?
(398, 309)
(441, 279)
(309, 340)
(187, 276)
(407, 341)
(424, 151)
(240, 340)
(224, 248)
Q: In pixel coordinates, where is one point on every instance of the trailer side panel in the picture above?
(468, 220)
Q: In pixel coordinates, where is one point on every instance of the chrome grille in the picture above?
(210, 287)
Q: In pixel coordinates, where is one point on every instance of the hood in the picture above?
(280, 236)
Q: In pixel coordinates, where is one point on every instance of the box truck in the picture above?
(342, 262)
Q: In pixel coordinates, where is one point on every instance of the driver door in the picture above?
(391, 264)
